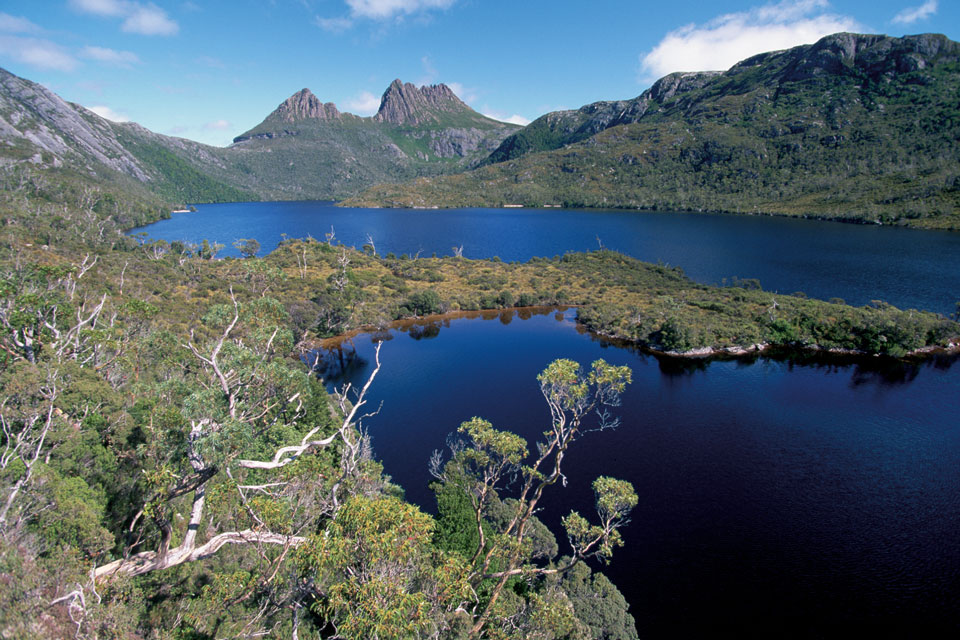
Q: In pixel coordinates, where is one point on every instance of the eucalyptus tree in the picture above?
(244, 416)
(485, 460)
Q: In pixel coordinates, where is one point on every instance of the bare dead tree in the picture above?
(301, 256)
(340, 280)
(26, 423)
(370, 243)
(232, 386)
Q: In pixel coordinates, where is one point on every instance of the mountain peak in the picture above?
(404, 103)
(304, 105)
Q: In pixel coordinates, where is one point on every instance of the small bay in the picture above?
(907, 268)
(792, 499)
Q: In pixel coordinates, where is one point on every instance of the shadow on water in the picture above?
(866, 370)
(336, 362)
(776, 493)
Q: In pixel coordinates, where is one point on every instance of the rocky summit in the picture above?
(303, 104)
(853, 127)
(405, 104)
(313, 150)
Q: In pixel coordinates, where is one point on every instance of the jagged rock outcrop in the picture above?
(405, 104)
(876, 56)
(302, 105)
(326, 153)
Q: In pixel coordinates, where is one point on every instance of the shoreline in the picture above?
(733, 352)
(902, 222)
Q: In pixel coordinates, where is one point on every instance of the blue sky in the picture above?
(209, 70)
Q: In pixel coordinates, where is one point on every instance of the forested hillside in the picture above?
(303, 150)
(854, 127)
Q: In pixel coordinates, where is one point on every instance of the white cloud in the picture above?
(38, 53)
(125, 59)
(13, 24)
(108, 113)
(730, 38)
(429, 71)
(466, 94)
(145, 19)
(217, 125)
(365, 104)
(210, 61)
(101, 7)
(514, 119)
(150, 20)
(383, 9)
(333, 25)
(913, 14)
(379, 10)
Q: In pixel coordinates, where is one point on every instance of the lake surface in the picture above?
(859, 263)
(776, 499)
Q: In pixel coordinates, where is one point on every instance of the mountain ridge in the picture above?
(317, 151)
(303, 149)
(833, 54)
(852, 127)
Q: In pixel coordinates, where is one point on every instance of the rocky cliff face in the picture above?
(57, 131)
(405, 104)
(878, 57)
(324, 153)
(303, 105)
(41, 131)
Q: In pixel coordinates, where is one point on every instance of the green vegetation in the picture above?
(802, 132)
(181, 181)
(169, 467)
(650, 305)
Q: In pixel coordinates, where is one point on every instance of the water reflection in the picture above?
(816, 488)
(337, 358)
(424, 331)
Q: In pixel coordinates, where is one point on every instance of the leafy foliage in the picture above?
(808, 131)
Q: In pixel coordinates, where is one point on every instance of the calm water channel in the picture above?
(817, 499)
(776, 499)
(907, 268)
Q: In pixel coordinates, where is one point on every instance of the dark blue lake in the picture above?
(776, 499)
(905, 267)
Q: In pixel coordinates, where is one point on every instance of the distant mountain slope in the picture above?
(304, 149)
(862, 127)
(312, 149)
(40, 130)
